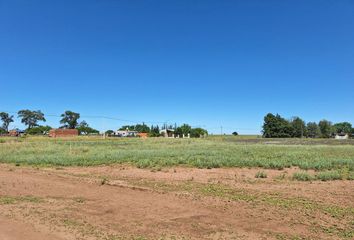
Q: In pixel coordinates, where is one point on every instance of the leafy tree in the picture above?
(325, 128)
(298, 126)
(154, 131)
(85, 129)
(31, 118)
(109, 132)
(343, 127)
(275, 126)
(138, 127)
(2, 131)
(313, 131)
(69, 119)
(185, 129)
(142, 128)
(40, 130)
(6, 120)
(127, 127)
(83, 124)
(198, 132)
(235, 133)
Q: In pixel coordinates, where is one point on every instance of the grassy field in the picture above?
(213, 152)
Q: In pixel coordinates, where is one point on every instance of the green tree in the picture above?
(109, 132)
(298, 126)
(127, 127)
(70, 119)
(343, 127)
(313, 131)
(85, 129)
(235, 133)
(142, 128)
(31, 118)
(198, 132)
(325, 128)
(39, 130)
(6, 120)
(154, 131)
(185, 129)
(275, 126)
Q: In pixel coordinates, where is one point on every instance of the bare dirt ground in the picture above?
(123, 202)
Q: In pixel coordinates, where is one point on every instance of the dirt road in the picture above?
(122, 202)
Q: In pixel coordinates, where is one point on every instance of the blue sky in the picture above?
(207, 63)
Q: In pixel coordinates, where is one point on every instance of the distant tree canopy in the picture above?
(343, 127)
(109, 132)
(31, 118)
(325, 128)
(275, 126)
(154, 131)
(313, 131)
(138, 127)
(298, 127)
(2, 131)
(198, 132)
(235, 133)
(6, 120)
(69, 119)
(39, 130)
(185, 129)
(85, 129)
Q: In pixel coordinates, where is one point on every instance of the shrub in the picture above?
(261, 174)
(302, 176)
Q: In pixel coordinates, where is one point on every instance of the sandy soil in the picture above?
(123, 202)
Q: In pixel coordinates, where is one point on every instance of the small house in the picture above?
(61, 132)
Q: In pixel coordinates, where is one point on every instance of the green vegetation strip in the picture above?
(18, 199)
(201, 153)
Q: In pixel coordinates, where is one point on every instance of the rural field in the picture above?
(219, 187)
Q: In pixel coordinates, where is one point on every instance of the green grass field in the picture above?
(212, 152)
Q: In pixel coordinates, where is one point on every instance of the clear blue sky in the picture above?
(208, 63)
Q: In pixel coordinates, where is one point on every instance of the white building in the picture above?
(341, 136)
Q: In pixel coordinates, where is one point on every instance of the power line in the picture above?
(222, 128)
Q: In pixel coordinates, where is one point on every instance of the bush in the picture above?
(261, 174)
(302, 176)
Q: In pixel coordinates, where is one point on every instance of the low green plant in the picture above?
(302, 176)
(201, 153)
(329, 175)
(261, 174)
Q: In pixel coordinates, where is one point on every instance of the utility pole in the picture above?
(221, 130)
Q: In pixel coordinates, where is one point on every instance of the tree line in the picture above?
(31, 119)
(154, 130)
(275, 126)
(70, 120)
